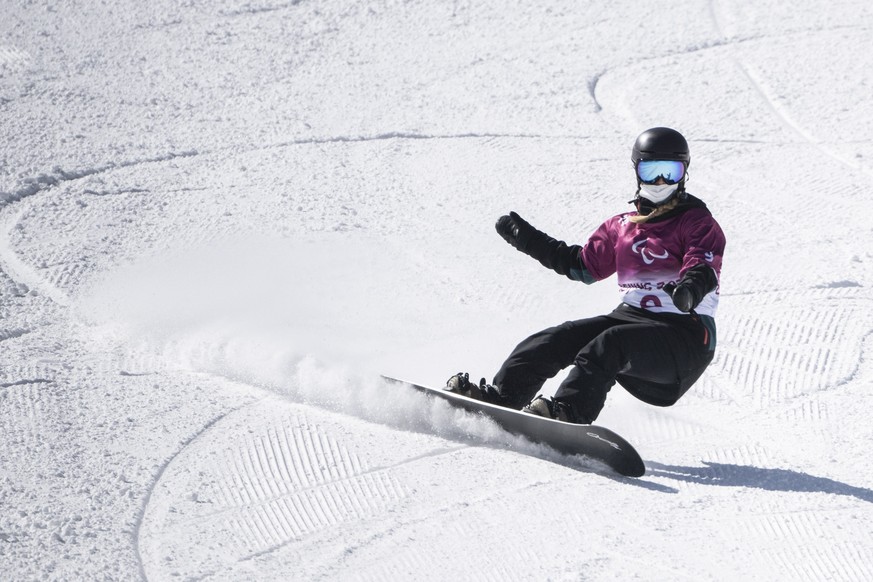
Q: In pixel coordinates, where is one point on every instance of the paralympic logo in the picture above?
(648, 256)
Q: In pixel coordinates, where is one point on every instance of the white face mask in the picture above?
(657, 193)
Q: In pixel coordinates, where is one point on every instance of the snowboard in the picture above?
(590, 440)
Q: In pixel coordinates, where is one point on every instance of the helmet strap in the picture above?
(647, 211)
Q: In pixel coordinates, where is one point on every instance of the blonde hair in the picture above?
(658, 211)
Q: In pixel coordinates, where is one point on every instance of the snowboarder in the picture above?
(667, 255)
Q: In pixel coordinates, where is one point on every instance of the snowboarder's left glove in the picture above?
(691, 289)
(515, 230)
(683, 296)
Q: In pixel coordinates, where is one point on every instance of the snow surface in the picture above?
(220, 221)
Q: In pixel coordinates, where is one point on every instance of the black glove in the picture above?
(553, 254)
(690, 291)
(683, 296)
(515, 230)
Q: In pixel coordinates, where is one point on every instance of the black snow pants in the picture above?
(654, 356)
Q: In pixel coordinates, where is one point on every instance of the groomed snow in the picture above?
(221, 221)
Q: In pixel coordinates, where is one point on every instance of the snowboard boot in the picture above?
(460, 384)
(551, 408)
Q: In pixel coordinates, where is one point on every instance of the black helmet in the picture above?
(661, 143)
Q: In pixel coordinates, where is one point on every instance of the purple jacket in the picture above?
(648, 256)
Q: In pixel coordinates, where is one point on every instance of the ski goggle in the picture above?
(671, 171)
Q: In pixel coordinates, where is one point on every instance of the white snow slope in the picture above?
(221, 221)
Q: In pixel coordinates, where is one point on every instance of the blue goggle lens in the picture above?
(672, 171)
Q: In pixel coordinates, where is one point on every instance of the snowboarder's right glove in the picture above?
(515, 230)
(553, 254)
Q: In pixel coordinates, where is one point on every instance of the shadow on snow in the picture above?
(728, 475)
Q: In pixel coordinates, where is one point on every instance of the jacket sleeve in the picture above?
(589, 263)
(598, 254)
(701, 266)
(558, 256)
(554, 254)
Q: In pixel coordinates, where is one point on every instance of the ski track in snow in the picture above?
(176, 392)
